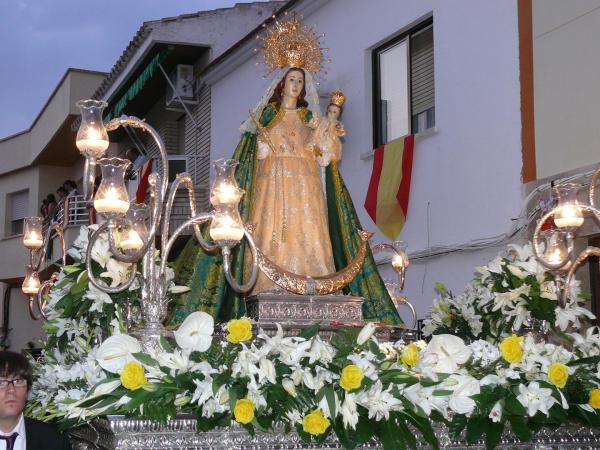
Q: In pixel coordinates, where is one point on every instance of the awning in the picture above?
(136, 86)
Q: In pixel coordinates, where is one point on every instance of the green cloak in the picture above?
(203, 272)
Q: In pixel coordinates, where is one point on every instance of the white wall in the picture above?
(467, 174)
(566, 75)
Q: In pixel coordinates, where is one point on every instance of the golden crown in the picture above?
(337, 98)
(290, 43)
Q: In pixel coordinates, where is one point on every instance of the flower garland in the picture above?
(352, 386)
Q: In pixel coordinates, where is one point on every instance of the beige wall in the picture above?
(566, 84)
(22, 328)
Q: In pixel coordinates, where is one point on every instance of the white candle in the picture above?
(111, 205)
(30, 286)
(563, 222)
(133, 241)
(111, 202)
(33, 242)
(96, 146)
(227, 194)
(555, 256)
(226, 233)
(568, 216)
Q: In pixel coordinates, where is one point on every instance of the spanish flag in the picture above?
(389, 188)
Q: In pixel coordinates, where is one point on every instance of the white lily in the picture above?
(99, 297)
(365, 334)
(535, 398)
(349, 411)
(117, 271)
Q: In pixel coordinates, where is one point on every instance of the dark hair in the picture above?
(338, 106)
(16, 365)
(277, 96)
(51, 198)
(63, 190)
(70, 183)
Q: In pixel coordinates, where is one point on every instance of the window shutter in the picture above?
(19, 205)
(421, 67)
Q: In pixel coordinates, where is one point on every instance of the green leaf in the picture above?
(493, 434)
(166, 344)
(146, 360)
(592, 360)
(424, 426)
(330, 396)
(441, 393)
(512, 406)
(475, 429)
(520, 428)
(69, 269)
(81, 285)
(310, 331)
(389, 436)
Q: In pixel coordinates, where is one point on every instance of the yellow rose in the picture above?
(410, 355)
(133, 376)
(558, 374)
(351, 378)
(239, 331)
(244, 411)
(511, 349)
(315, 423)
(595, 398)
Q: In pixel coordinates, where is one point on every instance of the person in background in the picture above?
(44, 209)
(71, 187)
(18, 432)
(51, 207)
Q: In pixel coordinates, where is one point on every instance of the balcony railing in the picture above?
(76, 212)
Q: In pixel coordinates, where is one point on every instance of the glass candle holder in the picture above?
(112, 197)
(225, 190)
(32, 233)
(227, 227)
(31, 282)
(569, 215)
(400, 259)
(92, 138)
(136, 232)
(557, 248)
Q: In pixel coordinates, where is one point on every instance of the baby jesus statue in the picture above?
(327, 131)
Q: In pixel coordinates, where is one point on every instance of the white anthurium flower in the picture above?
(349, 411)
(460, 400)
(104, 388)
(117, 271)
(101, 252)
(195, 333)
(535, 398)
(116, 351)
(378, 402)
(100, 298)
(496, 412)
(365, 334)
(445, 353)
(489, 380)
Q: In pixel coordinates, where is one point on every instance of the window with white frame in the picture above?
(17, 207)
(403, 85)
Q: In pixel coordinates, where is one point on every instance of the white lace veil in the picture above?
(312, 98)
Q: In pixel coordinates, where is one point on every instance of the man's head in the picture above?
(15, 381)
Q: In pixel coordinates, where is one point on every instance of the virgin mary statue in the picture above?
(298, 226)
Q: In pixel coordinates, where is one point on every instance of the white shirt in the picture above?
(20, 443)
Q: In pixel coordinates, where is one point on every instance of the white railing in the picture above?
(77, 213)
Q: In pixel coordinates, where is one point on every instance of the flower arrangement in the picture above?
(509, 293)
(352, 385)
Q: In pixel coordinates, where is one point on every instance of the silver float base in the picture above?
(118, 432)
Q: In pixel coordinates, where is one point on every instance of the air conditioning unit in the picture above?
(182, 79)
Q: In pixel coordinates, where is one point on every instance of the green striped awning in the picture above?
(136, 86)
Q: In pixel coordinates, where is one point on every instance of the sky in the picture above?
(42, 38)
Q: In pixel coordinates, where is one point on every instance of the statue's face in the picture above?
(333, 112)
(294, 82)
